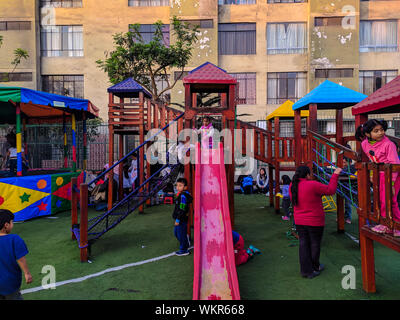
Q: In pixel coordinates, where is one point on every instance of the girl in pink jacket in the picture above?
(380, 149)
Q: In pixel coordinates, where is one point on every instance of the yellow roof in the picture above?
(285, 110)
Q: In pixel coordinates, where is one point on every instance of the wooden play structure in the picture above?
(135, 113)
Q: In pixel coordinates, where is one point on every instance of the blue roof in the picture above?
(128, 86)
(330, 95)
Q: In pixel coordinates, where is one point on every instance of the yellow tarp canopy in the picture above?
(285, 110)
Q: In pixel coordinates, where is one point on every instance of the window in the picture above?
(62, 41)
(246, 87)
(370, 81)
(236, 38)
(202, 24)
(15, 76)
(286, 38)
(221, 2)
(61, 3)
(148, 3)
(333, 73)
(286, 1)
(178, 76)
(282, 86)
(147, 32)
(328, 21)
(15, 25)
(378, 36)
(66, 85)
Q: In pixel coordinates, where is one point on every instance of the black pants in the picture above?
(309, 248)
(286, 206)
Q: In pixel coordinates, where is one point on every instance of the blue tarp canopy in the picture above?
(39, 102)
(329, 95)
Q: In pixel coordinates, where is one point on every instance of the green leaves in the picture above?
(148, 61)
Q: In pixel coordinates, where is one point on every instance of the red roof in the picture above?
(384, 100)
(209, 73)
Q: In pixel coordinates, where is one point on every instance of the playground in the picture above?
(126, 248)
(273, 275)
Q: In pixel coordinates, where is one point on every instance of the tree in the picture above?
(19, 54)
(147, 62)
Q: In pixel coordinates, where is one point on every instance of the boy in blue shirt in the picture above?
(180, 215)
(12, 259)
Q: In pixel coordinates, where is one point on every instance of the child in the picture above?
(347, 166)
(207, 132)
(180, 215)
(242, 255)
(262, 181)
(286, 197)
(12, 259)
(380, 149)
(246, 186)
(127, 181)
(309, 217)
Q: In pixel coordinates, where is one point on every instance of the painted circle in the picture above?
(41, 184)
(59, 181)
(1, 200)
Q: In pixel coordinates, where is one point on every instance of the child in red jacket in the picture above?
(309, 217)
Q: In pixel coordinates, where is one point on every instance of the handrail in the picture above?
(134, 150)
(349, 153)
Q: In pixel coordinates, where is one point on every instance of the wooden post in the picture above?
(297, 137)
(110, 163)
(270, 168)
(84, 140)
(74, 205)
(340, 199)
(19, 140)
(120, 167)
(277, 166)
(141, 151)
(83, 243)
(74, 166)
(366, 244)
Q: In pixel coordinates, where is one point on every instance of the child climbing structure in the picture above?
(320, 153)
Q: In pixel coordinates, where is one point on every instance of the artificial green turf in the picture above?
(274, 274)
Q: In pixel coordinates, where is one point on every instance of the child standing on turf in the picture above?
(309, 217)
(180, 215)
(286, 196)
(12, 259)
(380, 149)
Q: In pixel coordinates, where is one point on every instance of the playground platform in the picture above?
(273, 275)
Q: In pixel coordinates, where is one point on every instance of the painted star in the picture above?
(25, 197)
(42, 206)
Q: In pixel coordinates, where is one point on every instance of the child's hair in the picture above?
(182, 180)
(286, 179)
(263, 169)
(368, 126)
(301, 172)
(5, 217)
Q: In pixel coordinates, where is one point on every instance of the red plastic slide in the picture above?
(215, 276)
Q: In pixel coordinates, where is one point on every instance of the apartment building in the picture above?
(277, 49)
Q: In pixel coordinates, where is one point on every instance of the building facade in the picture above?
(277, 49)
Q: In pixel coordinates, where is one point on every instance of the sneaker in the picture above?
(321, 267)
(348, 221)
(254, 249)
(182, 253)
(311, 275)
(267, 194)
(250, 252)
(380, 228)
